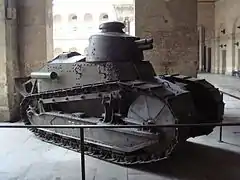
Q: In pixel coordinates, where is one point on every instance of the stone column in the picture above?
(201, 44)
(9, 60)
(26, 43)
(4, 110)
(173, 25)
(36, 34)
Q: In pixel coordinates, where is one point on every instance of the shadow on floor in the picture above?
(198, 162)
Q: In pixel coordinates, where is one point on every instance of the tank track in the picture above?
(93, 151)
(213, 92)
(211, 103)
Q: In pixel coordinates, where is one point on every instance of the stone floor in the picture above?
(228, 84)
(24, 157)
(225, 83)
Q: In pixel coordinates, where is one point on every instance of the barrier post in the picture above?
(82, 152)
(220, 132)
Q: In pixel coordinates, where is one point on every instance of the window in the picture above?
(57, 18)
(72, 18)
(73, 49)
(57, 51)
(86, 51)
(88, 17)
(103, 17)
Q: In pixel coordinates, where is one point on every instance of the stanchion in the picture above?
(82, 152)
(220, 134)
(220, 131)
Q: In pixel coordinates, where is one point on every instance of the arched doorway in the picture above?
(209, 59)
(202, 48)
(217, 55)
(224, 60)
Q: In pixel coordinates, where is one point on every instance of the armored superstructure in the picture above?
(114, 85)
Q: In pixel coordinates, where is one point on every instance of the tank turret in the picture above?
(112, 44)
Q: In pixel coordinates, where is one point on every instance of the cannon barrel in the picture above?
(144, 41)
(44, 75)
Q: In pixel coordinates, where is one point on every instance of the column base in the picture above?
(229, 71)
(4, 114)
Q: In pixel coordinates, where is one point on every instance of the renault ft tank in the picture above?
(114, 85)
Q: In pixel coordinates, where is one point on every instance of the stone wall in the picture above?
(173, 25)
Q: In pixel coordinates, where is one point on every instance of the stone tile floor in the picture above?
(24, 157)
(225, 83)
(230, 85)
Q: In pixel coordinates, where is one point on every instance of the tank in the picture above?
(114, 85)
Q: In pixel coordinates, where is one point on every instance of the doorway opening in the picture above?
(224, 61)
(204, 63)
(238, 66)
(209, 59)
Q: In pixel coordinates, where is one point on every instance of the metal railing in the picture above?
(82, 127)
(231, 95)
